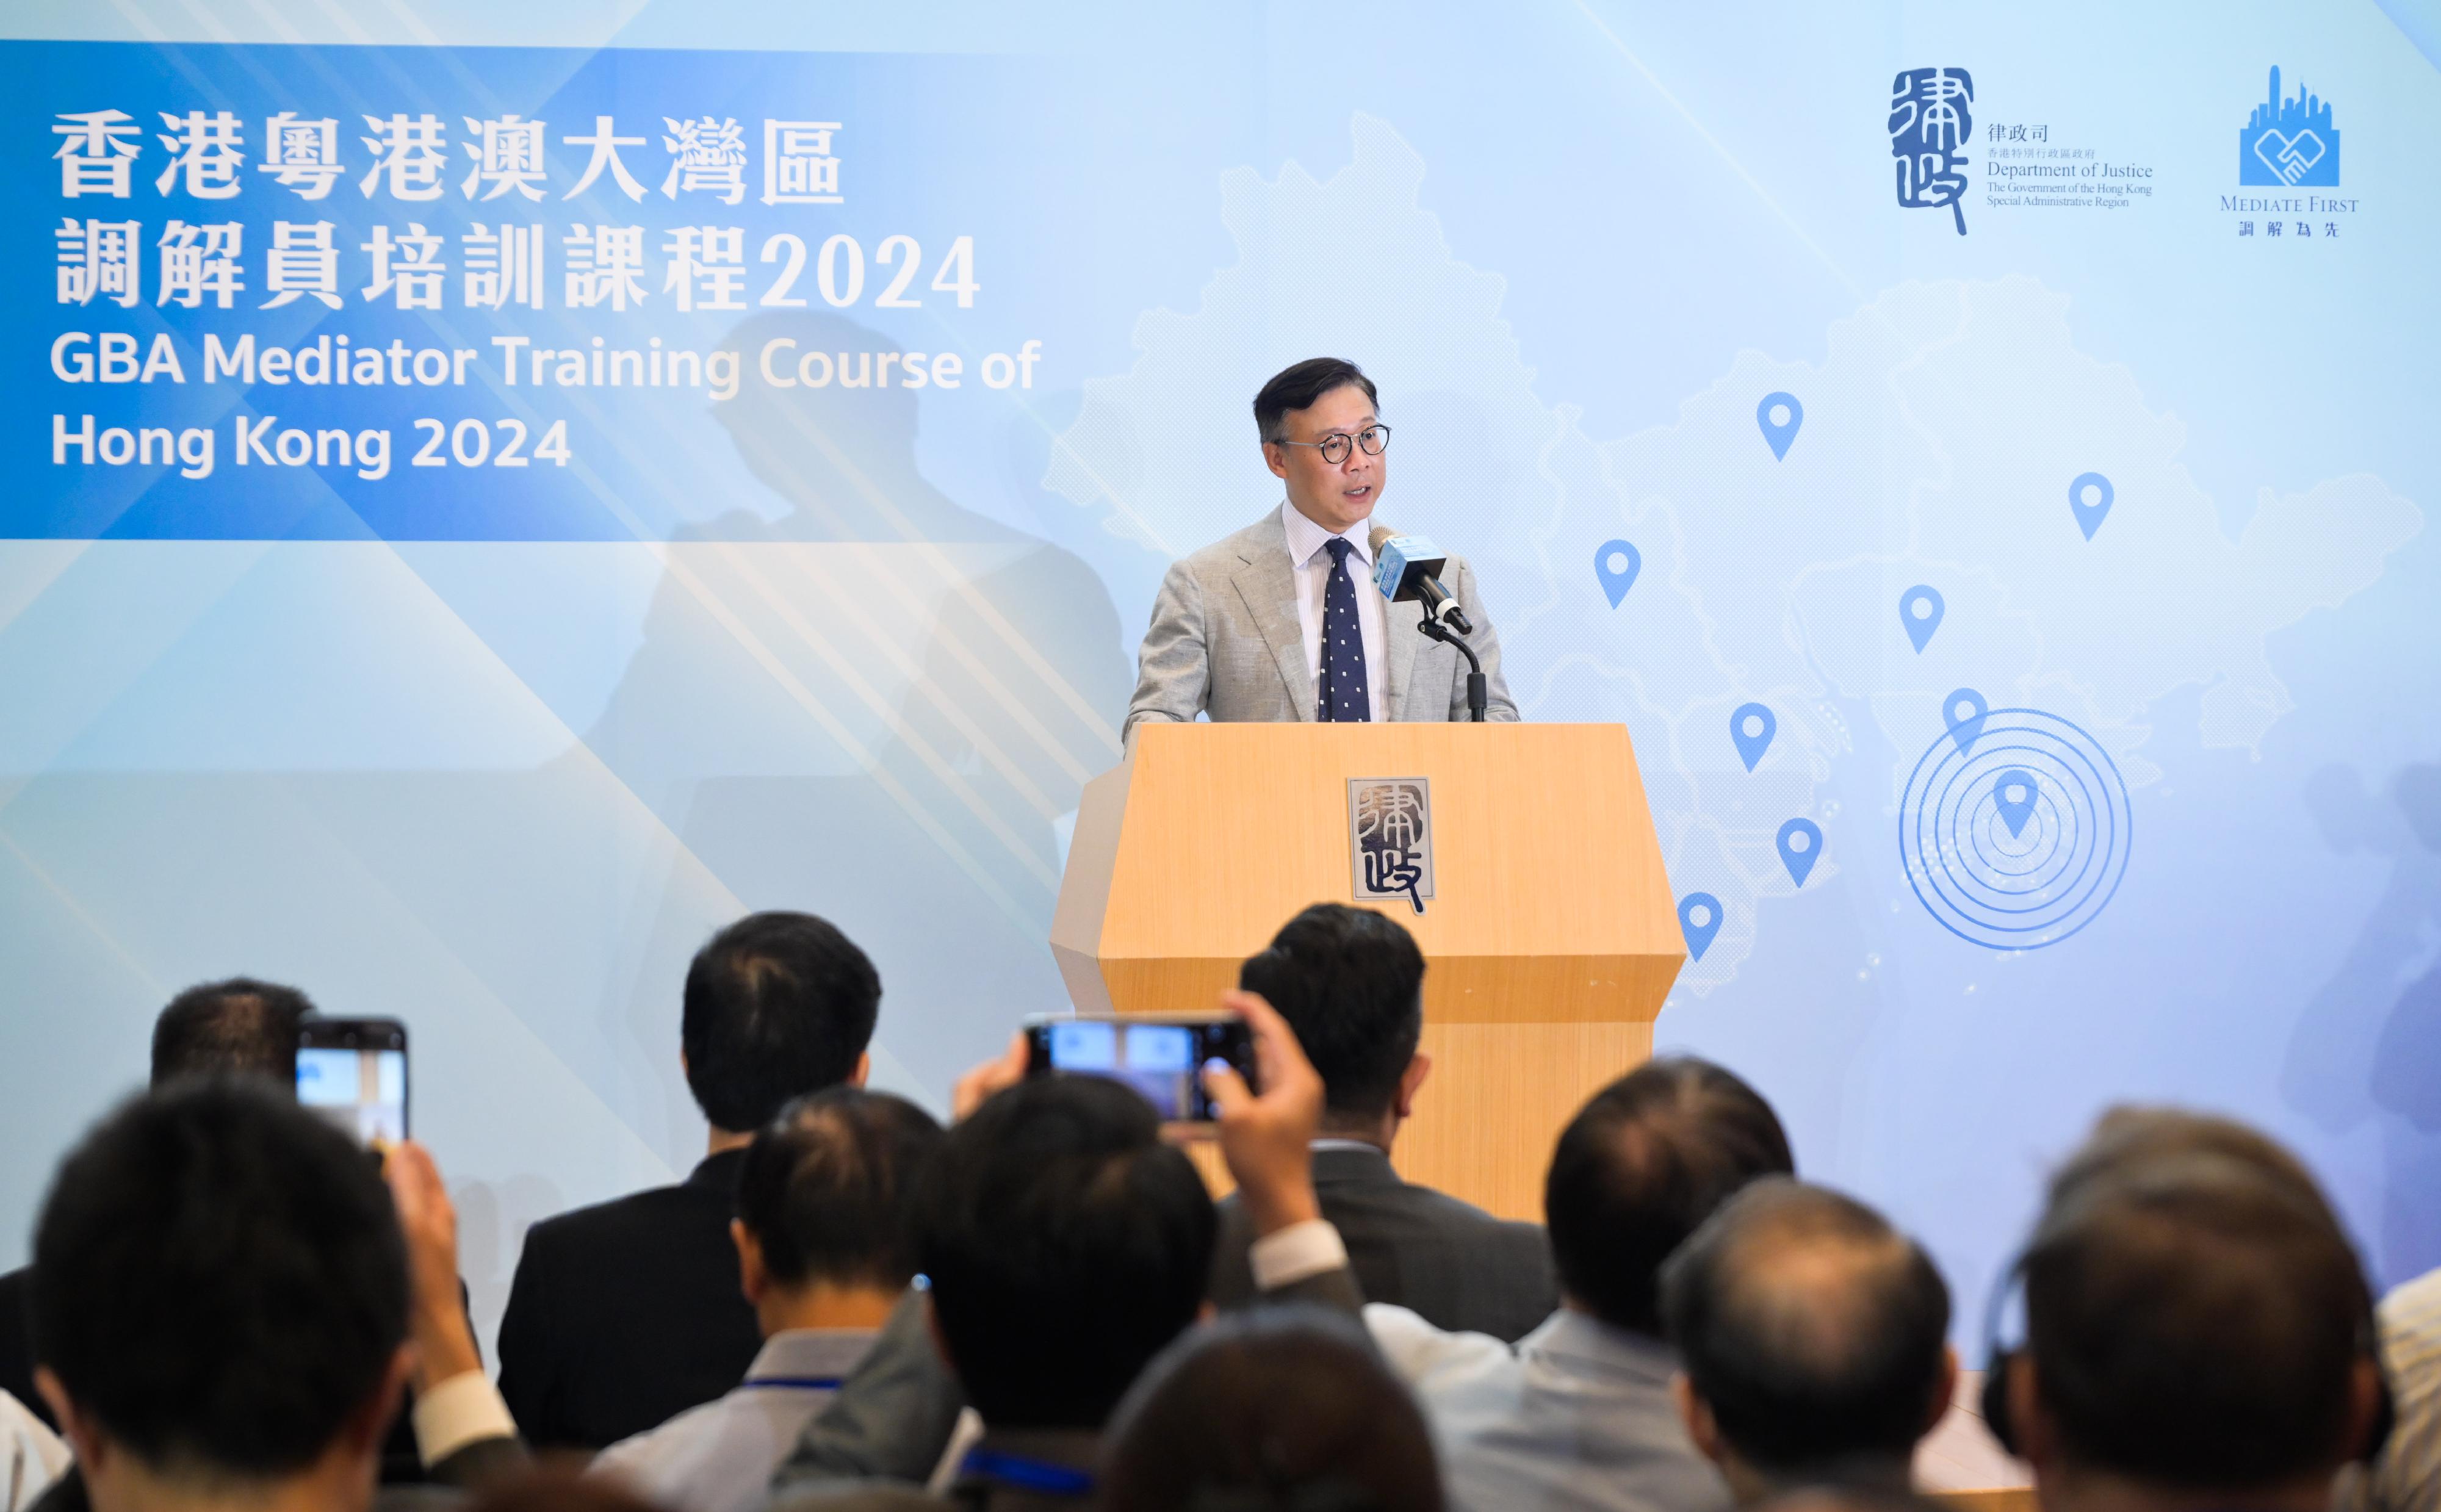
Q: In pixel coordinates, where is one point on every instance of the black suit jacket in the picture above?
(1452, 1262)
(625, 1314)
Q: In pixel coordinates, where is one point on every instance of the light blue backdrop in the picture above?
(491, 749)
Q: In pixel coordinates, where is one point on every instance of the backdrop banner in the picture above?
(489, 499)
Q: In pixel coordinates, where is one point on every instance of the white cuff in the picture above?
(458, 1412)
(1298, 1252)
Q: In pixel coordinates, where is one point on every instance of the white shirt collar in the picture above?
(1306, 537)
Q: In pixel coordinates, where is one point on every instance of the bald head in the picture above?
(1814, 1333)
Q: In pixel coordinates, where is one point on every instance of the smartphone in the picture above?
(1159, 1056)
(353, 1073)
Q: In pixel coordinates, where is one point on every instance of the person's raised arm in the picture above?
(463, 1429)
(1267, 1138)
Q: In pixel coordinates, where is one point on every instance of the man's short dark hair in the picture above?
(2196, 1321)
(1066, 1245)
(1350, 982)
(219, 1278)
(777, 1005)
(825, 1188)
(1815, 1331)
(2130, 1132)
(1645, 1162)
(1280, 1407)
(240, 1026)
(1298, 385)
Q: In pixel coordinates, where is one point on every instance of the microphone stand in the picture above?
(1479, 688)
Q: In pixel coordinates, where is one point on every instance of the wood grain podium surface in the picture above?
(1551, 937)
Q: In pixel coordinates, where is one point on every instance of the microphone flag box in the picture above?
(1402, 562)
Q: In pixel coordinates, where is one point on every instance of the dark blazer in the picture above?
(1452, 1263)
(625, 1314)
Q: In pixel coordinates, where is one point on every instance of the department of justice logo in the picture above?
(1931, 118)
(2289, 143)
(1390, 839)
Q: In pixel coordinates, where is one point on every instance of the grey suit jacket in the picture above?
(1455, 1265)
(1226, 641)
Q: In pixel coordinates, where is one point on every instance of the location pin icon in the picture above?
(2012, 794)
(1616, 564)
(1801, 845)
(1920, 611)
(2090, 498)
(1964, 710)
(1699, 914)
(1751, 728)
(1780, 414)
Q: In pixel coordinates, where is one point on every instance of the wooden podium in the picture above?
(1550, 937)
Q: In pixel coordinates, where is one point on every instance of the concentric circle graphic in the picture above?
(2014, 829)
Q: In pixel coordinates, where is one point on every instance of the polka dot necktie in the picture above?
(1342, 695)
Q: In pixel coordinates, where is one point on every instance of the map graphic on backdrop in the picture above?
(1728, 574)
(2015, 827)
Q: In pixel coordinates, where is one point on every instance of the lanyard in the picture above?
(1026, 1474)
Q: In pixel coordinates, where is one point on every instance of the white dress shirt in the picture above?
(720, 1457)
(1312, 564)
(31, 1456)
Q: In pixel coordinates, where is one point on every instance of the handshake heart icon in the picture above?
(2290, 157)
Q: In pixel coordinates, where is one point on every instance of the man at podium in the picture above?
(1281, 620)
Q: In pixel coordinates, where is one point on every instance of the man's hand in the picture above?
(436, 1313)
(976, 1087)
(1267, 1140)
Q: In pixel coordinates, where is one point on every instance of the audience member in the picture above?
(2198, 1332)
(1349, 981)
(825, 1248)
(238, 1027)
(622, 1315)
(1813, 1338)
(1065, 1246)
(1579, 1413)
(228, 1304)
(1277, 1407)
(2406, 1477)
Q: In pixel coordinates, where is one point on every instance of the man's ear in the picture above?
(753, 1278)
(863, 1069)
(1276, 457)
(1944, 1389)
(2028, 1425)
(2364, 1406)
(1696, 1416)
(1411, 1081)
(84, 1435)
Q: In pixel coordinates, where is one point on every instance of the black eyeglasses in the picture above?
(1374, 438)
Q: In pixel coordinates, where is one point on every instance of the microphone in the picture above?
(1407, 567)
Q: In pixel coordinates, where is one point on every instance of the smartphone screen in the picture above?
(353, 1073)
(1159, 1059)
